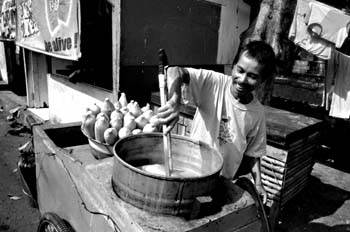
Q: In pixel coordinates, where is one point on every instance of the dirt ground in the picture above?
(16, 211)
(320, 207)
(323, 206)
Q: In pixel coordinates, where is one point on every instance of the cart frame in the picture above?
(76, 187)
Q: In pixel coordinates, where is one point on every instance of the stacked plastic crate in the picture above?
(293, 140)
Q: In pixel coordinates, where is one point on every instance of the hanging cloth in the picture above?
(328, 23)
(329, 82)
(301, 36)
(340, 106)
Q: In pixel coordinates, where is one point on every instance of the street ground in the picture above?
(16, 211)
(323, 206)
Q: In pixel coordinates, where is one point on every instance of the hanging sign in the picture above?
(49, 26)
(7, 19)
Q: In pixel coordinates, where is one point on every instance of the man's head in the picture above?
(255, 64)
(263, 53)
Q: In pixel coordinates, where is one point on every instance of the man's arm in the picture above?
(256, 173)
(169, 113)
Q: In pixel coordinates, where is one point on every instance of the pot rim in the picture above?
(159, 134)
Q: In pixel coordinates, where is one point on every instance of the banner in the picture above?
(49, 26)
(7, 19)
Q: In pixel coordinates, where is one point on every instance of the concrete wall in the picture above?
(234, 20)
(68, 101)
(192, 32)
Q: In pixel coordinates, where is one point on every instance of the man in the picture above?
(228, 117)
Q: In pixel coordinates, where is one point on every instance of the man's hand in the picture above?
(262, 192)
(256, 173)
(169, 115)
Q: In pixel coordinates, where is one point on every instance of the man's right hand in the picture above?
(168, 115)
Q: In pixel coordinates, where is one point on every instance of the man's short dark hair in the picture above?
(263, 53)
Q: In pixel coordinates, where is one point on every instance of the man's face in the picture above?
(246, 76)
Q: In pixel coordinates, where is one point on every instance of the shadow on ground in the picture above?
(315, 210)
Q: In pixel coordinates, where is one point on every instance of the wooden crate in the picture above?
(293, 140)
(285, 172)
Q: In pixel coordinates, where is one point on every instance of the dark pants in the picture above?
(245, 168)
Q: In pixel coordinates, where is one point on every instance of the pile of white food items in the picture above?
(112, 121)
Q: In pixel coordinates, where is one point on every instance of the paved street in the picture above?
(323, 206)
(16, 212)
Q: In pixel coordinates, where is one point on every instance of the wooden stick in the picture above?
(166, 138)
(163, 99)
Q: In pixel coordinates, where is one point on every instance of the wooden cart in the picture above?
(75, 193)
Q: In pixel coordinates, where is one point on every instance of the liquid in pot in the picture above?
(159, 169)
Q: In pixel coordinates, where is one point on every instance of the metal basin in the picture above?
(196, 168)
(98, 150)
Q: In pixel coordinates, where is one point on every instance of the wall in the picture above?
(234, 20)
(68, 101)
(192, 32)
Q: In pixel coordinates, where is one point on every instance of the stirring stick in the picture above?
(163, 99)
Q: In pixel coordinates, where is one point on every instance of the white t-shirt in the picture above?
(233, 128)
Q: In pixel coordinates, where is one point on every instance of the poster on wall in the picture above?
(7, 19)
(51, 27)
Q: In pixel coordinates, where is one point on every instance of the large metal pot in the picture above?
(174, 194)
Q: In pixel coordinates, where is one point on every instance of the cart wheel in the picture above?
(50, 222)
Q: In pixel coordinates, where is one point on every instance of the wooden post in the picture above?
(35, 70)
(116, 45)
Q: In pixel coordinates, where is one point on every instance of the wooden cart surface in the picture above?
(77, 187)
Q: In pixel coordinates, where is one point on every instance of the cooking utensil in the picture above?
(163, 62)
(98, 150)
(195, 173)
